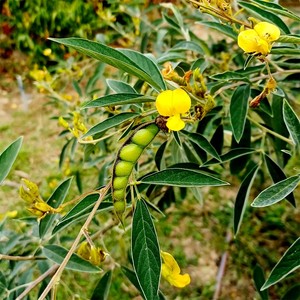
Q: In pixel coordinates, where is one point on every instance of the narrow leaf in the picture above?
(285, 51)
(109, 56)
(80, 210)
(242, 197)
(266, 15)
(110, 123)
(8, 157)
(238, 110)
(145, 251)
(147, 65)
(292, 122)
(55, 200)
(159, 155)
(133, 279)
(203, 143)
(223, 28)
(231, 154)
(237, 165)
(290, 39)
(292, 293)
(182, 178)
(277, 9)
(289, 262)
(259, 279)
(230, 76)
(76, 263)
(277, 174)
(102, 289)
(118, 99)
(120, 87)
(188, 45)
(276, 192)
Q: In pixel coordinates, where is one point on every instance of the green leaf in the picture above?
(147, 65)
(55, 200)
(237, 165)
(159, 155)
(238, 110)
(230, 76)
(223, 28)
(188, 45)
(266, 15)
(292, 293)
(277, 174)
(118, 99)
(102, 289)
(231, 154)
(203, 143)
(276, 192)
(109, 56)
(80, 210)
(110, 123)
(145, 251)
(277, 9)
(76, 263)
(285, 51)
(290, 39)
(120, 87)
(292, 122)
(133, 279)
(289, 262)
(8, 157)
(259, 279)
(242, 197)
(182, 178)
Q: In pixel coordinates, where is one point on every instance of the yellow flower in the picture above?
(267, 31)
(172, 104)
(259, 39)
(30, 193)
(91, 253)
(171, 271)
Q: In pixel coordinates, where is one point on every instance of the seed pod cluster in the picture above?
(126, 159)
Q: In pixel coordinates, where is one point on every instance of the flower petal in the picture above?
(179, 280)
(181, 101)
(170, 263)
(164, 103)
(267, 31)
(175, 123)
(250, 41)
(169, 103)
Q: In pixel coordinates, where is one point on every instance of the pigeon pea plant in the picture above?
(173, 114)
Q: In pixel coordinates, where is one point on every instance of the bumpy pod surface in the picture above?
(126, 159)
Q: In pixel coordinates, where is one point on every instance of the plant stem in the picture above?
(283, 138)
(261, 77)
(19, 258)
(85, 226)
(34, 283)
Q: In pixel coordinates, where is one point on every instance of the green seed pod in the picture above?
(119, 195)
(144, 136)
(123, 168)
(130, 152)
(125, 161)
(120, 182)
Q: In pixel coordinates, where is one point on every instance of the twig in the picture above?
(58, 273)
(283, 138)
(18, 258)
(34, 283)
(221, 270)
(235, 84)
